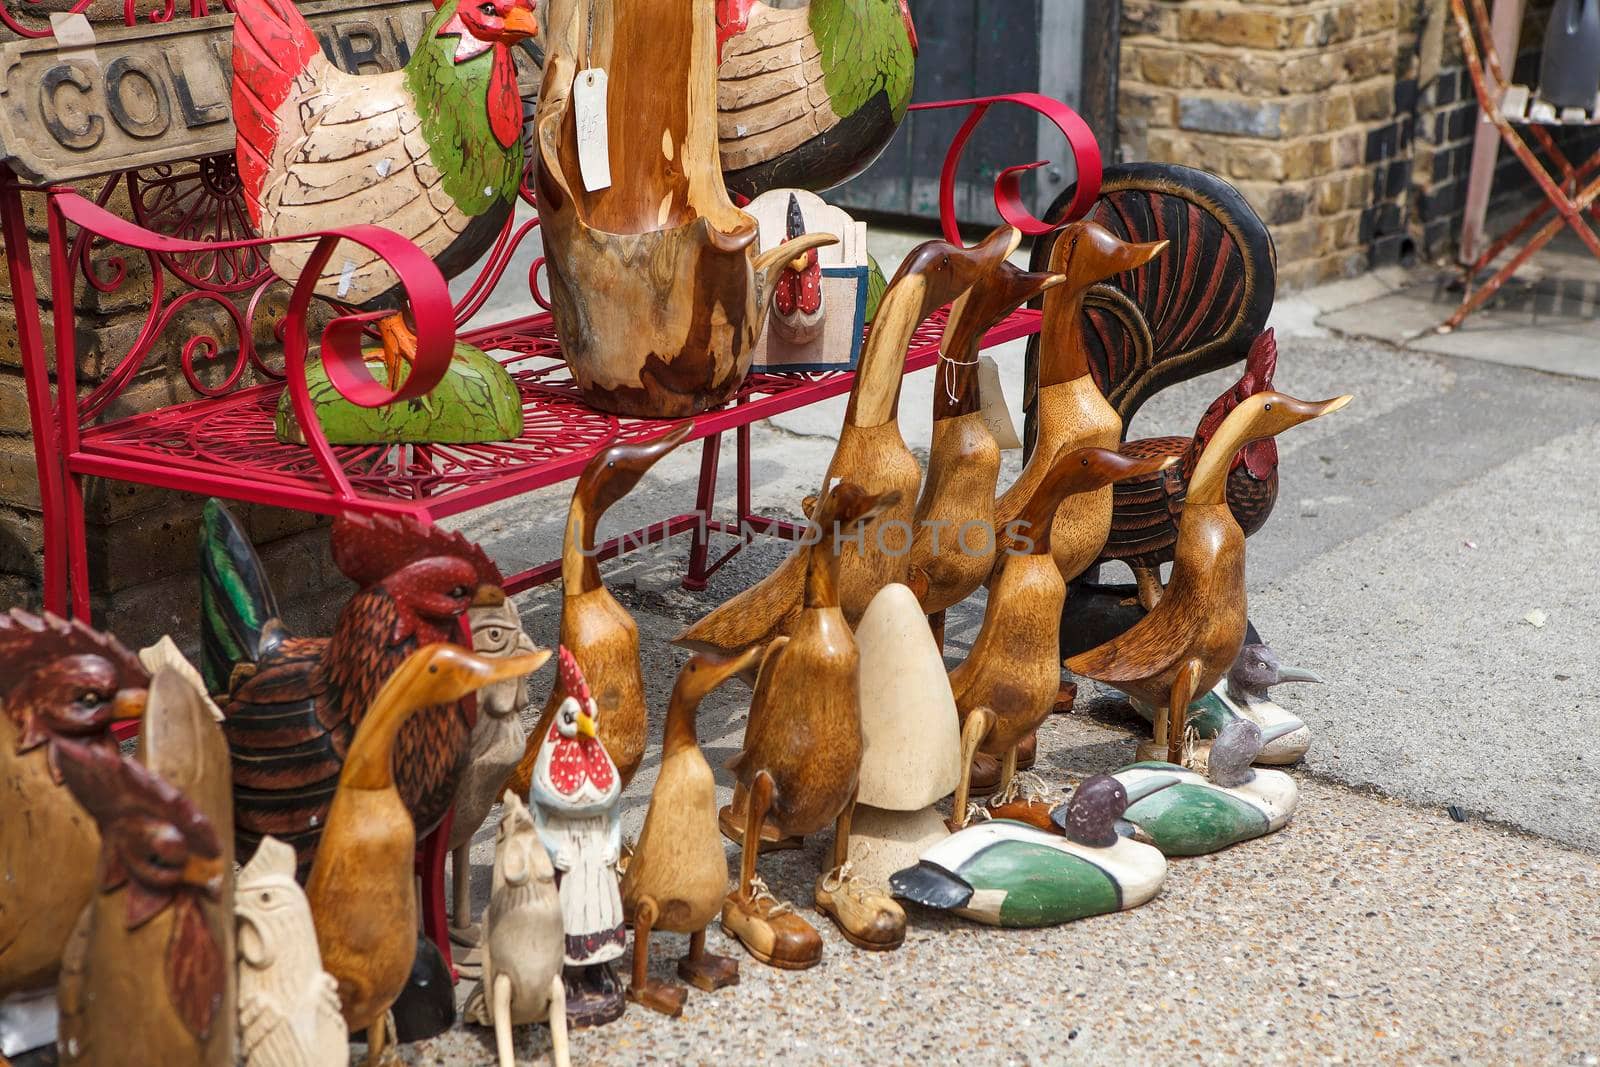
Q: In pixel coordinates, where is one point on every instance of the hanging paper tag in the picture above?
(996, 415)
(594, 139)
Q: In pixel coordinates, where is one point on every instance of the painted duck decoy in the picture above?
(498, 742)
(576, 788)
(808, 95)
(954, 545)
(1072, 412)
(289, 1014)
(1008, 682)
(911, 744)
(293, 704)
(433, 149)
(1193, 635)
(1010, 874)
(871, 453)
(1145, 512)
(63, 681)
(678, 875)
(148, 976)
(595, 629)
(621, 256)
(1243, 694)
(1184, 813)
(365, 862)
(801, 758)
(522, 945)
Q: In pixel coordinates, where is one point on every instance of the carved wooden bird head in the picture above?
(64, 680)
(1259, 457)
(433, 576)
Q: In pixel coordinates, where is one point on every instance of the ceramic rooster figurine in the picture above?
(294, 703)
(809, 94)
(288, 1005)
(575, 792)
(61, 681)
(1194, 634)
(145, 974)
(432, 151)
(1145, 511)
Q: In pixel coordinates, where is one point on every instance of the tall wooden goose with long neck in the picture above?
(1008, 682)
(679, 871)
(964, 458)
(871, 453)
(1194, 633)
(362, 887)
(1072, 412)
(597, 630)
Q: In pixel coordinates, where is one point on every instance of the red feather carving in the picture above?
(272, 45)
(195, 970)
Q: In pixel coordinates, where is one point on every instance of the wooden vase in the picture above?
(656, 288)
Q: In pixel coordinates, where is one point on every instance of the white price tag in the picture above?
(996, 415)
(594, 138)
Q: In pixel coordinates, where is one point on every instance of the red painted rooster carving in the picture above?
(293, 703)
(1144, 525)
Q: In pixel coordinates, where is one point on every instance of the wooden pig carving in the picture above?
(289, 1012)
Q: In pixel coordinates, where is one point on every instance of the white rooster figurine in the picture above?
(575, 792)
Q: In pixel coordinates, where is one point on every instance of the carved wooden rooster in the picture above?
(1144, 521)
(432, 151)
(61, 681)
(809, 94)
(293, 703)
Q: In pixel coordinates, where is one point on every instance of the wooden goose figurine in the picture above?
(1008, 682)
(801, 757)
(1183, 646)
(597, 630)
(364, 865)
(1010, 874)
(1184, 814)
(871, 453)
(523, 942)
(62, 680)
(954, 545)
(678, 875)
(289, 1013)
(1071, 411)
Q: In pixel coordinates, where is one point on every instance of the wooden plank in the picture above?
(1486, 142)
(159, 93)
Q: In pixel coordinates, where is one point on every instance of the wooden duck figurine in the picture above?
(1010, 874)
(871, 453)
(801, 757)
(62, 680)
(289, 1014)
(364, 865)
(1008, 682)
(910, 738)
(678, 875)
(1183, 646)
(595, 629)
(576, 788)
(498, 742)
(1183, 814)
(1243, 693)
(1072, 413)
(522, 944)
(656, 288)
(147, 975)
(964, 458)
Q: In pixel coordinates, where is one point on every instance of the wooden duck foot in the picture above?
(594, 996)
(664, 997)
(731, 818)
(1066, 699)
(771, 931)
(866, 915)
(704, 970)
(976, 727)
(382, 1043)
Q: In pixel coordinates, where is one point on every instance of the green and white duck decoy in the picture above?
(1182, 813)
(1006, 873)
(1242, 693)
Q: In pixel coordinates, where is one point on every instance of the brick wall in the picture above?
(1347, 123)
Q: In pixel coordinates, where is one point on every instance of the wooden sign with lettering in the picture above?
(160, 93)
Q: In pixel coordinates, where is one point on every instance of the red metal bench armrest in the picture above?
(1007, 187)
